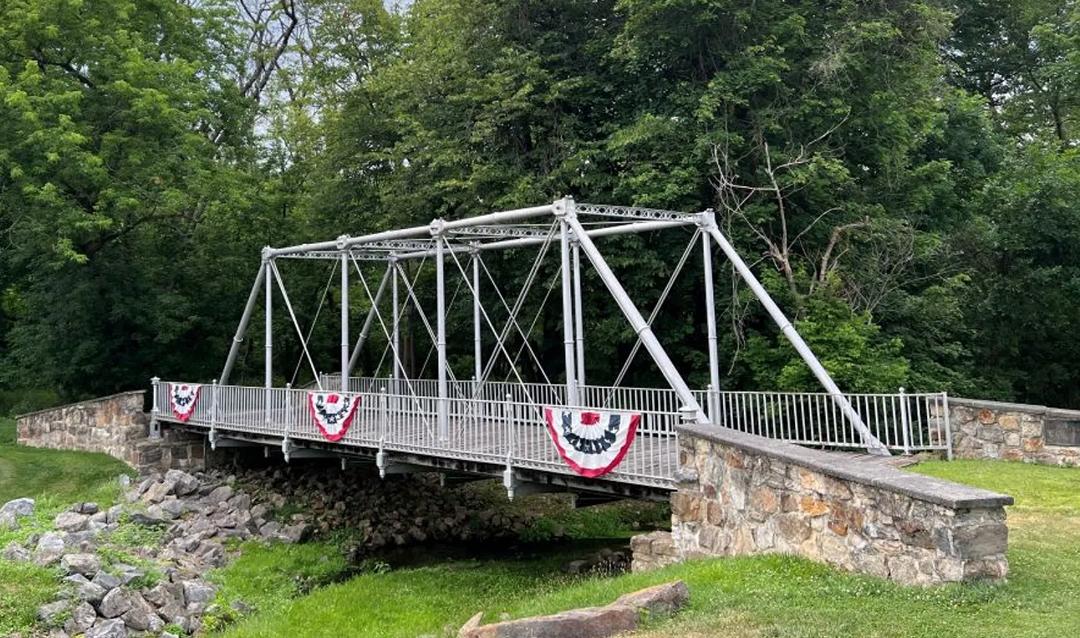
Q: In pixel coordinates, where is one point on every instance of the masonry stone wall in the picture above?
(743, 494)
(1014, 432)
(115, 425)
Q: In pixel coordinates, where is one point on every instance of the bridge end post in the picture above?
(155, 411)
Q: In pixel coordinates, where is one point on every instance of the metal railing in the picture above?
(903, 422)
(502, 422)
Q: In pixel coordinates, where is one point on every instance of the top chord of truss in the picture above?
(502, 230)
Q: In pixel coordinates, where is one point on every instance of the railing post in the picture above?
(155, 411)
(268, 366)
(948, 426)
(213, 414)
(508, 473)
(384, 417)
(440, 339)
(286, 443)
(905, 422)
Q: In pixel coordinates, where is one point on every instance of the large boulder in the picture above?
(82, 619)
(86, 590)
(86, 564)
(658, 600)
(104, 628)
(51, 613)
(592, 622)
(71, 521)
(12, 511)
(183, 482)
(115, 603)
(16, 553)
(49, 549)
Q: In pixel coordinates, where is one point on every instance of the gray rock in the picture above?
(106, 580)
(270, 530)
(82, 618)
(124, 481)
(19, 507)
(85, 589)
(293, 533)
(184, 483)
(108, 629)
(116, 602)
(50, 613)
(240, 501)
(197, 591)
(259, 511)
(71, 521)
(163, 594)
(158, 491)
(113, 515)
(85, 508)
(50, 547)
(86, 564)
(147, 520)
(219, 494)
(139, 617)
(127, 573)
(16, 553)
(173, 507)
(12, 511)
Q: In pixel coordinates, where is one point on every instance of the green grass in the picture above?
(775, 596)
(55, 479)
(56, 474)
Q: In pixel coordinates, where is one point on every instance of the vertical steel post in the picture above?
(637, 321)
(241, 329)
(948, 426)
(440, 339)
(344, 314)
(395, 335)
(268, 366)
(873, 445)
(477, 346)
(905, 422)
(579, 316)
(155, 410)
(369, 320)
(708, 218)
(564, 210)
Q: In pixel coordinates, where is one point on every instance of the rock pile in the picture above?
(395, 511)
(163, 588)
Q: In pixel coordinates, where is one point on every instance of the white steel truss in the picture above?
(575, 226)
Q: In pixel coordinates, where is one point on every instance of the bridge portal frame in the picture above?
(516, 229)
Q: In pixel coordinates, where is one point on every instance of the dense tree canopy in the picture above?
(901, 174)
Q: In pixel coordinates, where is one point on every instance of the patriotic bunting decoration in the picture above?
(591, 443)
(183, 397)
(333, 412)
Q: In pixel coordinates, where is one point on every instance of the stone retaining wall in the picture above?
(1014, 432)
(743, 494)
(115, 425)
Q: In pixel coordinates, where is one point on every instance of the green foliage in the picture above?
(887, 152)
(849, 346)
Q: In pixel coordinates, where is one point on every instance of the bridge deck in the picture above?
(488, 434)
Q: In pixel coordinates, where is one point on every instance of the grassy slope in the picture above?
(764, 595)
(55, 479)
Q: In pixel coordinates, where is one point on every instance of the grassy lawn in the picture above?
(774, 596)
(56, 479)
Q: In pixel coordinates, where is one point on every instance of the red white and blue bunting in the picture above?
(183, 397)
(592, 443)
(333, 412)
